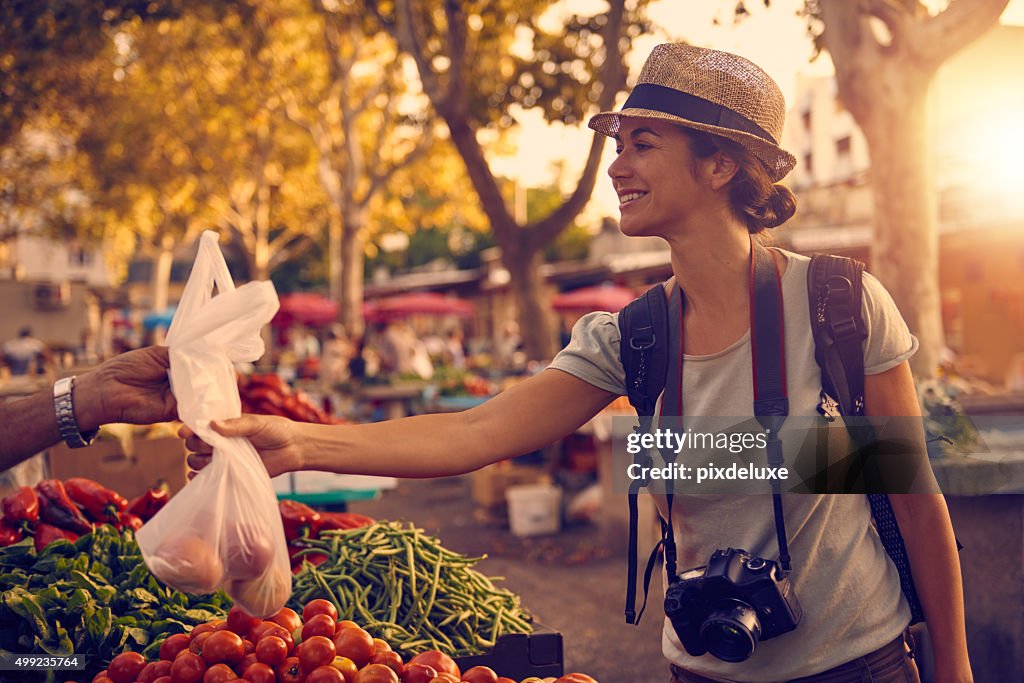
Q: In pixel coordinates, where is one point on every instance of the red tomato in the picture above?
(223, 646)
(354, 643)
(163, 679)
(418, 673)
(271, 650)
(503, 679)
(575, 678)
(381, 645)
(248, 646)
(278, 630)
(319, 606)
(315, 651)
(346, 623)
(101, 674)
(208, 627)
(170, 648)
(445, 677)
(290, 671)
(480, 674)
(219, 673)
(318, 625)
(196, 646)
(246, 662)
(102, 679)
(439, 660)
(126, 667)
(259, 673)
(325, 674)
(347, 668)
(153, 671)
(288, 618)
(240, 622)
(390, 659)
(188, 667)
(376, 673)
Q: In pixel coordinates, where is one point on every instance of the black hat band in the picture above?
(692, 108)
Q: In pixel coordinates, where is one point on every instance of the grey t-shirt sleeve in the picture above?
(593, 353)
(889, 341)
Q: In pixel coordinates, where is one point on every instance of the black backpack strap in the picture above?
(834, 289)
(643, 350)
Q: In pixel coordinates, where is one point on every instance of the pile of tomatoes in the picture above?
(313, 647)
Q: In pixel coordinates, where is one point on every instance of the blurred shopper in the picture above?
(455, 349)
(25, 355)
(334, 358)
(130, 388)
(698, 159)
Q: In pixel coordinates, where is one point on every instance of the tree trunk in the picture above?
(352, 270)
(335, 267)
(536, 321)
(162, 272)
(905, 249)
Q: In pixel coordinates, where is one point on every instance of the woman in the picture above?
(698, 154)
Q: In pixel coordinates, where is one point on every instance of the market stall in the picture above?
(370, 602)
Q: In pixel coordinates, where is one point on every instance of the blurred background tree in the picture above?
(886, 54)
(476, 80)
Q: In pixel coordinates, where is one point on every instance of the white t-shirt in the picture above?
(847, 587)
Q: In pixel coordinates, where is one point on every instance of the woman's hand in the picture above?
(275, 438)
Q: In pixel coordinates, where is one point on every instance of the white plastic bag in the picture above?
(223, 530)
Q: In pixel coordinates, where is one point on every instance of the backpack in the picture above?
(834, 289)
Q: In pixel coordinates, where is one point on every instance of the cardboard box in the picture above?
(131, 470)
(488, 484)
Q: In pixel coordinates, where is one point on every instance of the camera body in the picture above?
(728, 605)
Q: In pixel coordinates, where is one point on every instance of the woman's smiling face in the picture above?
(653, 176)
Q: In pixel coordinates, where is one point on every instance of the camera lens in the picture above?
(731, 634)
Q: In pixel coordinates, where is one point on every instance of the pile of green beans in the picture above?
(404, 587)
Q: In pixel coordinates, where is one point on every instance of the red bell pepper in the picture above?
(9, 535)
(21, 506)
(149, 503)
(99, 502)
(47, 534)
(129, 521)
(297, 518)
(56, 508)
(343, 520)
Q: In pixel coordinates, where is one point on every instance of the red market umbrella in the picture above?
(609, 298)
(412, 303)
(307, 308)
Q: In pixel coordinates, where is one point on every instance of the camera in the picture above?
(728, 605)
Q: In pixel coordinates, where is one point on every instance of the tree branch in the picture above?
(613, 75)
(409, 34)
(958, 25)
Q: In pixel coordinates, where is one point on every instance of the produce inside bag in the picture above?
(223, 530)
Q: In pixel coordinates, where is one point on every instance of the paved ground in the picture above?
(573, 582)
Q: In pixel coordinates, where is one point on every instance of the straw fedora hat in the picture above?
(716, 92)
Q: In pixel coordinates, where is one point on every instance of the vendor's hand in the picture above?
(275, 439)
(131, 387)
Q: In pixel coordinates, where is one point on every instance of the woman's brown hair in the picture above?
(752, 195)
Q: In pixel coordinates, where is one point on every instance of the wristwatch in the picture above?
(63, 403)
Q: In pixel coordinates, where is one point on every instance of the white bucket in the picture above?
(534, 509)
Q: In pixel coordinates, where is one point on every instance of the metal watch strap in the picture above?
(63, 403)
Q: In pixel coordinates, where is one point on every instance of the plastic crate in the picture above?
(520, 655)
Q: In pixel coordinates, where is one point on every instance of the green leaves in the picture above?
(94, 598)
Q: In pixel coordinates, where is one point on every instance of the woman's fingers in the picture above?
(246, 425)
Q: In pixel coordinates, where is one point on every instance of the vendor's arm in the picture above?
(131, 387)
(928, 534)
(519, 420)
